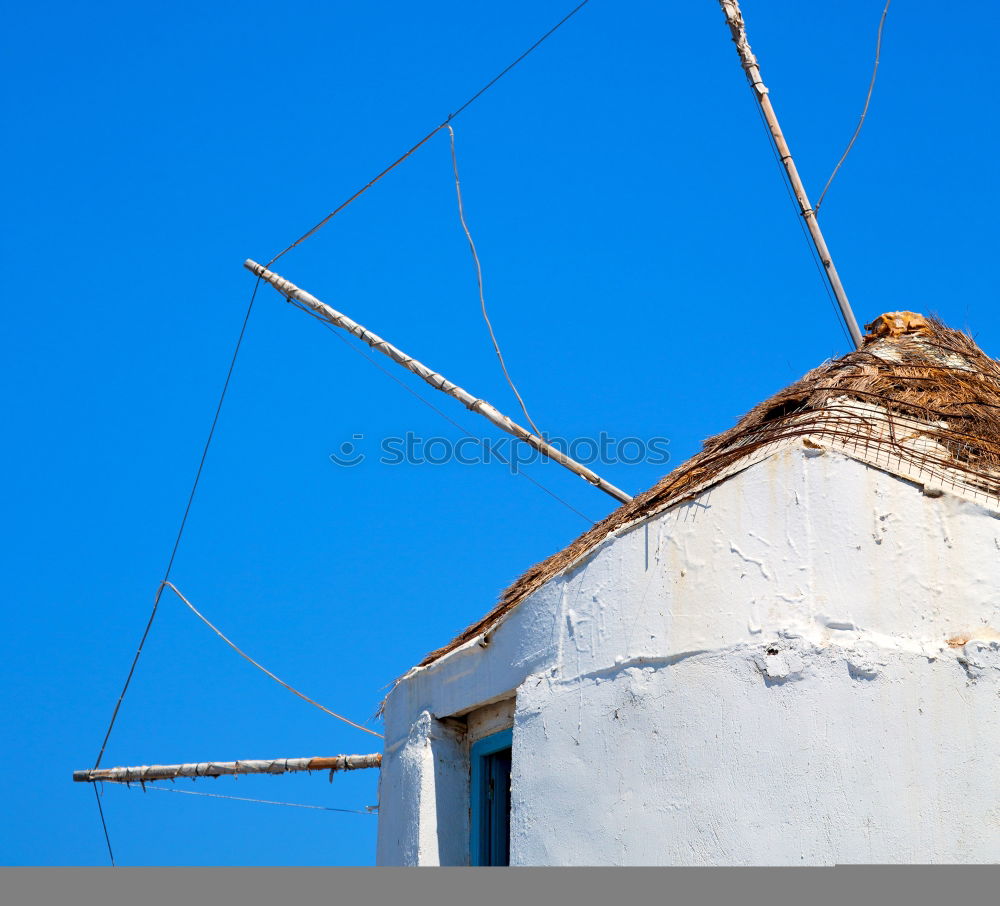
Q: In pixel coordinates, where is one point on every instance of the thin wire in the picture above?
(324, 808)
(357, 194)
(443, 415)
(262, 668)
(864, 113)
(104, 825)
(479, 283)
(180, 531)
(211, 432)
(315, 229)
(128, 679)
(504, 72)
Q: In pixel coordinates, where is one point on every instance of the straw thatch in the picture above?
(918, 395)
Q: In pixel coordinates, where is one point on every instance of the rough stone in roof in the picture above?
(895, 324)
(919, 399)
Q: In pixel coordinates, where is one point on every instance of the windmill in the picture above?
(339, 320)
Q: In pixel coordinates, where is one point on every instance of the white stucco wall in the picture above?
(873, 759)
(426, 778)
(653, 726)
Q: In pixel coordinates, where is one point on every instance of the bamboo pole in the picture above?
(437, 381)
(143, 773)
(737, 27)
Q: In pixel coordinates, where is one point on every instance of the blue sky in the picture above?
(645, 274)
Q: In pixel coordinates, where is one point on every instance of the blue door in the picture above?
(490, 789)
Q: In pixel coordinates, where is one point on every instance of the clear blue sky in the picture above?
(646, 276)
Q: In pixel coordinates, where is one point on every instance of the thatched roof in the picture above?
(919, 399)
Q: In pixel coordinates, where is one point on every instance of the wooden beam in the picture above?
(143, 773)
(314, 306)
(737, 27)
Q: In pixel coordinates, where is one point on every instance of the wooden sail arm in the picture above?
(438, 381)
(142, 773)
(751, 65)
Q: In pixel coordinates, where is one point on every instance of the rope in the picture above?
(315, 229)
(864, 113)
(324, 808)
(479, 282)
(260, 667)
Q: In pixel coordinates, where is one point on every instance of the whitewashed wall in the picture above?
(759, 676)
